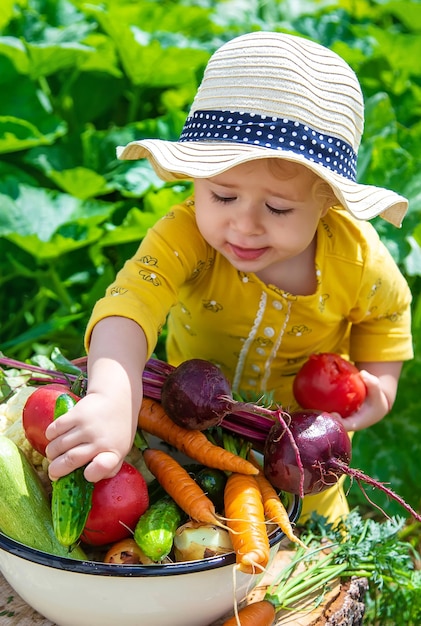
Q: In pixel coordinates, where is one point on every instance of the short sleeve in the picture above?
(381, 320)
(146, 287)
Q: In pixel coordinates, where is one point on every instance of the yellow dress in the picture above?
(258, 334)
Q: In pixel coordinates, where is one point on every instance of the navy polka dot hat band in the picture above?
(276, 134)
(273, 95)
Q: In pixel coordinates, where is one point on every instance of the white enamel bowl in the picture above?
(86, 593)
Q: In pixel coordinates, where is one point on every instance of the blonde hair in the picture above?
(323, 192)
(285, 170)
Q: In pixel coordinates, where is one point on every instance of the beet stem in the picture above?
(239, 408)
(31, 368)
(360, 476)
(244, 431)
(158, 366)
(257, 423)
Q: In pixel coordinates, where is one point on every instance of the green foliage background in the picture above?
(79, 78)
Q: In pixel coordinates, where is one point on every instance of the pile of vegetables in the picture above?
(152, 513)
(221, 494)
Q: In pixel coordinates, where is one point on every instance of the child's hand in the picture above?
(374, 408)
(96, 432)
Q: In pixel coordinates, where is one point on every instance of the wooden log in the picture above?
(348, 609)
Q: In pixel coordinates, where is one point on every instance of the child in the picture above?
(269, 261)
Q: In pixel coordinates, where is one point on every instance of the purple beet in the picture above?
(320, 440)
(196, 395)
(310, 453)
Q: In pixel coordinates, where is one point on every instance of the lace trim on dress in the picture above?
(275, 348)
(248, 342)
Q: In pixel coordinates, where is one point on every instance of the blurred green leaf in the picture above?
(137, 222)
(145, 60)
(13, 50)
(40, 331)
(389, 451)
(413, 259)
(41, 212)
(49, 58)
(406, 12)
(25, 120)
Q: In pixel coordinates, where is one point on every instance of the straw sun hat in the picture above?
(268, 94)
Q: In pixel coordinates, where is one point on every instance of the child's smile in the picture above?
(246, 254)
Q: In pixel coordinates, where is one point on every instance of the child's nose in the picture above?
(246, 220)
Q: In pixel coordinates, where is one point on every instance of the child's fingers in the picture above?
(98, 466)
(104, 465)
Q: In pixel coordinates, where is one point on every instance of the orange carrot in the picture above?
(261, 613)
(153, 419)
(180, 486)
(275, 510)
(245, 518)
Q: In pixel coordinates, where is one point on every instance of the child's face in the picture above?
(260, 213)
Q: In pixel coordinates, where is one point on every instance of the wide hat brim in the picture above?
(203, 159)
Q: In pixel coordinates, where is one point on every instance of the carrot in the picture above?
(245, 518)
(275, 510)
(261, 613)
(180, 486)
(193, 443)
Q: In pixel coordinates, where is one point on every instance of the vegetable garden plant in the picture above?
(78, 79)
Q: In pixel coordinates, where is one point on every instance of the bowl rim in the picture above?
(15, 548)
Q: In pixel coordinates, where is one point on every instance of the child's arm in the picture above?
(100, 429)
(381, 380)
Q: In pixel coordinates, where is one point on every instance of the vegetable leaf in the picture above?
(352, 547)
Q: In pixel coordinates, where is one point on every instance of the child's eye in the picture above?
(224, 200)
(274, 211)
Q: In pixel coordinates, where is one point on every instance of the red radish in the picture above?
(319, 456)
(38, 413)
(196, 395)
(117, 504)
(328, 382)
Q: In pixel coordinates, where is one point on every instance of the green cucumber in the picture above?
(155, 530)
(25, 514)
(155, 491)
(72, 494)
(213, 482)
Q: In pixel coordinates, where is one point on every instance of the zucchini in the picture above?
(155, 530)
(25, 514)
(72, 494)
